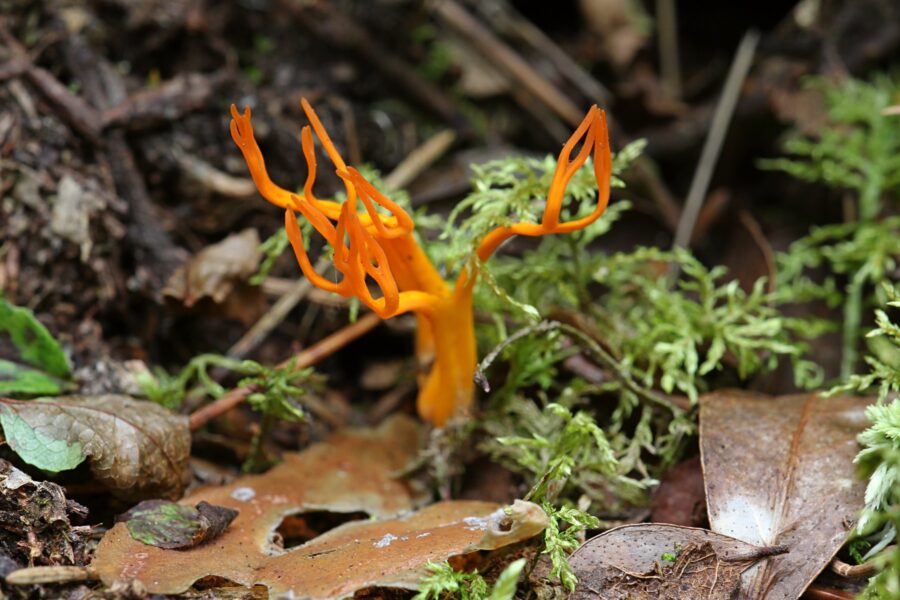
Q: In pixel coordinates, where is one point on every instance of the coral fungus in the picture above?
(371, 245)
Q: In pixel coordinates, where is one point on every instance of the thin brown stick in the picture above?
(306, 358)
(861, 571)
(501, 55)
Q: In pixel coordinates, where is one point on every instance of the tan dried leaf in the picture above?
(137, 449)
(214, 271)
(652, 561)
(351, 472)
(779, 471)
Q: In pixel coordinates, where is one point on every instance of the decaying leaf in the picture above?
(354, 471)
(354, 556)
(37, 365)
(170, 525)
(36, 517)
(135, 448)
(779, 471)
(214, 271)
(652, 561)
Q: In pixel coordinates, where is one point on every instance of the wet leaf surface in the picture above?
(779, 471)
(136, 449)
(166, 524)
(653, 561)
(353, 471)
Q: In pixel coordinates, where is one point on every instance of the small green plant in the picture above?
(38, 366)
(444, 581)
(858, 150)
(879, 460)
(564, 450)
(275, 394)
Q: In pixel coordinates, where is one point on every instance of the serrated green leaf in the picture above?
(37, 448)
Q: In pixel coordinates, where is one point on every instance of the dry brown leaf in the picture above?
(137, 449)
(354, 556)
(779, 471)
(354, 471)
(634, 562)
(214, 271)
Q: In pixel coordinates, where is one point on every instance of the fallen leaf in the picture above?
(779, 471)
(39, 366)
(354, 471)
(351, 557)
(166, 524)
(652, 561)
(216, 270)
(135, 448)
(72, 210)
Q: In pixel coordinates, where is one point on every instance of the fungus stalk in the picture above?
(375, 243)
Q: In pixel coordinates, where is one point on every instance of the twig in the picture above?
(669, 64)
(338, 30)
(306, 358)
(422, 157)
(592, 347)
(501, 14)
(505, 58)
(212, 178)
(45, 575)
(743, 59)
(866, 569)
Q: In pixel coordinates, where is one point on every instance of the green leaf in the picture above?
(19, 380)
(505, 586)
(40, 366)
(37, 448)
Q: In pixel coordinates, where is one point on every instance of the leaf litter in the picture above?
(780, 485)
(779, 471)
(37, 524)
(353, 471)
(667, 562)
(135, 448)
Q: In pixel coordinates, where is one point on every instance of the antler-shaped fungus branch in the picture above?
(370, 245)
(596, 138)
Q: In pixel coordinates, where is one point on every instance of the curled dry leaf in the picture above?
(216, 270)
(652, 561)
(170, 525)
(779, 471)
(353, 471)
(135, 448)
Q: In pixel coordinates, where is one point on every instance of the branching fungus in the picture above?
(371, 245)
